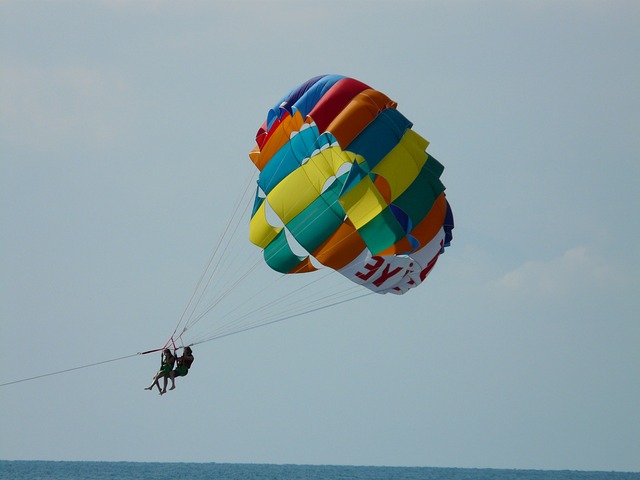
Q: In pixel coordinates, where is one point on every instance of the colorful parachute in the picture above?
(345, 183)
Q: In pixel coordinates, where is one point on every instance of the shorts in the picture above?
(180, 371)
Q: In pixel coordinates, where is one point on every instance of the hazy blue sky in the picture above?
(124, 130)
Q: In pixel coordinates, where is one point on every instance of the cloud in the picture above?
(52, 108)
(578, 270)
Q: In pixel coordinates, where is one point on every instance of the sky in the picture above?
(124, 133)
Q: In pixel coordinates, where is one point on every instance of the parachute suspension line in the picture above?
(231, 325)
(226, 237)
(280, 319)
(304, 299)
(304, 304)
(293, 311)
(284, 307)
(223, 295)
(211, 267)
(193, 318)
(225, 265)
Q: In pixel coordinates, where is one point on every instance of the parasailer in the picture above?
(167, 361)
(346, 183)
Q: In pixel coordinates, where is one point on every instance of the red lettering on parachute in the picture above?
(373, 268)
(386, 275)
(431, 264)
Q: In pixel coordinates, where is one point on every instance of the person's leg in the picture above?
(155, 382)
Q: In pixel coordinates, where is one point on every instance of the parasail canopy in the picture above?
(346, 183)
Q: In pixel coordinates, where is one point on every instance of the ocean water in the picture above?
(41, 470)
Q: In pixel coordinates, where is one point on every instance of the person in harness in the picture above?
(184, 364)
(167, 360)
